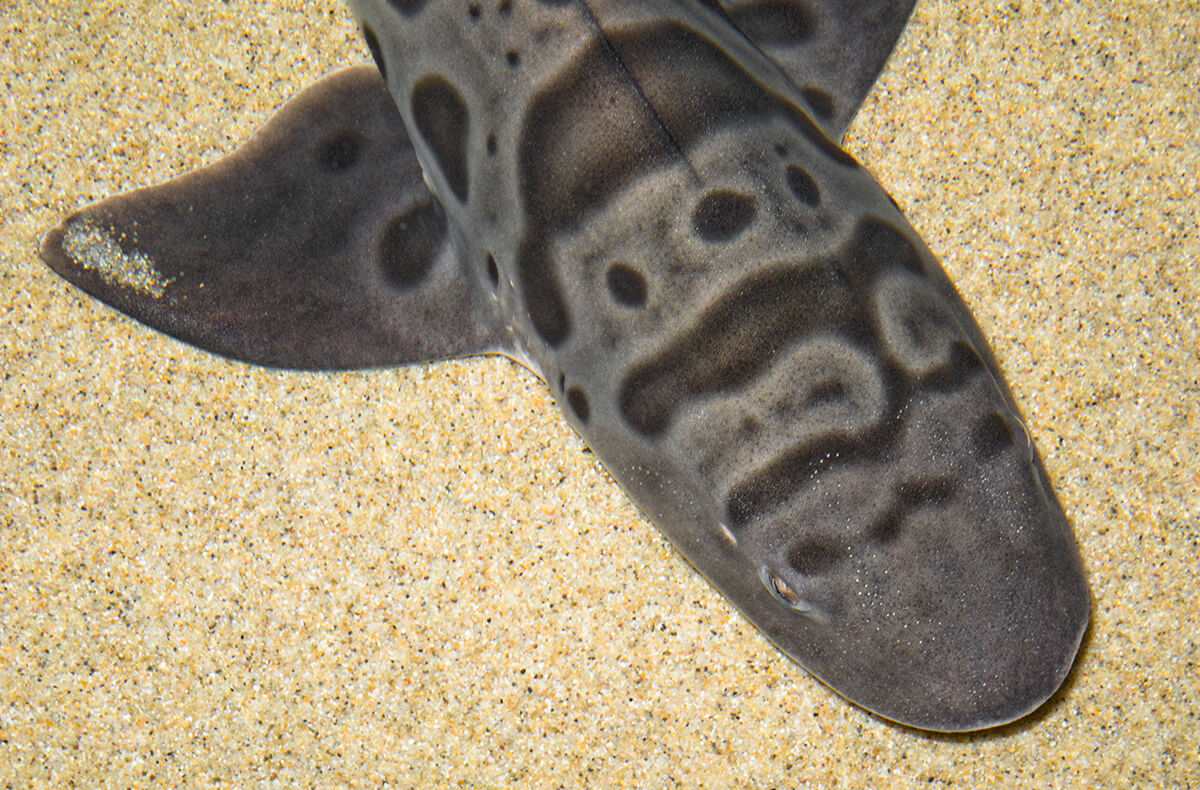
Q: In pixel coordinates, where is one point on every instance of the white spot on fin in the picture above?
(94, 248)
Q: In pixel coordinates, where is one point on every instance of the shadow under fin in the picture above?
(316, 245)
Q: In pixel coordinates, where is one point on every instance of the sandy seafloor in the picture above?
(212, 573)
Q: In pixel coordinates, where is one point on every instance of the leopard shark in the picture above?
(648, 204)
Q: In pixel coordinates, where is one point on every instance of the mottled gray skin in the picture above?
(643, 203)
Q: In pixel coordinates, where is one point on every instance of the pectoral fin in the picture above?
(315, 245)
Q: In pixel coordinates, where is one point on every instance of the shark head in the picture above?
(647, 204)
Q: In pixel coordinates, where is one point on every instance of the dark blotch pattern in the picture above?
(407, 8)
(877, 246)
(992, 435)
(627, 285)
(741, 335)
(442, 120)
(911, 495)
(410, 244)
(814, 556)
(376, 52)
(756, 323)
(513, 57)
(339, 152)
(775, 22)
(764, 488)
(826, 392)
(683, 87)
(803, 186)
(736, 338)
(819, 100)
(493, 271)
(577, 399)
(722, 214)
(543, 296)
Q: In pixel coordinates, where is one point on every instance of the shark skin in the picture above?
(647, 205)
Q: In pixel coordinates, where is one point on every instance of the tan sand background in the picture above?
(212, 573)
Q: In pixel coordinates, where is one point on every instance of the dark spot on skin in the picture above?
(408, 8)
(442, 119)
(722, 214)
(926, 491)
(811, 557)
(627, 285)
(505, 7)
(513, 57)
(963, 365)
(887, 528)
(827, 392)
(749, 329)
(491, 145)
(740, 335)
(911, 495)
(339, 152)
(376, 52)
(473, 10)
(764, 488)
(410, 244)
(992, 435)
(760, 316)
(654, 92)
(803, 186)
(555, 3)
(774, 22)
(884, 245)
(578, 401)
(819, 100)
(544, 300)
(493, 271)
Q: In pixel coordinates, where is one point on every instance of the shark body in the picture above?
(646, 204)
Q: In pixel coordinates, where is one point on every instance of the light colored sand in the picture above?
(210, 572)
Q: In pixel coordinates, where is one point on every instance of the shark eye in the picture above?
(783, 591)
